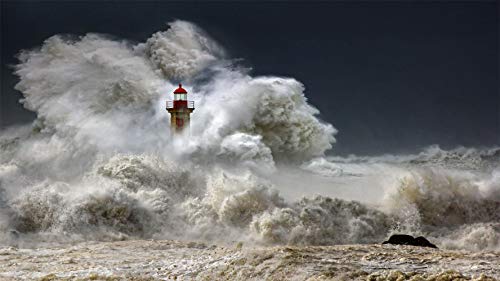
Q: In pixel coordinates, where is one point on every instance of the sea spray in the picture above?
(99, 162)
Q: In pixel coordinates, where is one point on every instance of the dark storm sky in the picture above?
(390, 76)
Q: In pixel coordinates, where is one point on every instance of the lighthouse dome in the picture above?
(180, 90)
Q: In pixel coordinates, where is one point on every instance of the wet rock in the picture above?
(403, 239)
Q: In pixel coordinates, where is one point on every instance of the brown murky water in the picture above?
(175, 260)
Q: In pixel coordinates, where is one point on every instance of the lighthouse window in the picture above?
(181, 96)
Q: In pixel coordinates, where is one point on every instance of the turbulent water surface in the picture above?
(100, 164)
(175, 260)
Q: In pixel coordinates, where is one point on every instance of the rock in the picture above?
(403, 239)
(423, 242)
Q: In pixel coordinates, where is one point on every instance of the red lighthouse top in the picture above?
(180, 90)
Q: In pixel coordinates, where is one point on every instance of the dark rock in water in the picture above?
(403, 239)
(400, 239)
(422, 242)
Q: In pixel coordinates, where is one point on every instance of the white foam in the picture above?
(100, 163)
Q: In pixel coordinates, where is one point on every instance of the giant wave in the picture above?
(99, 162)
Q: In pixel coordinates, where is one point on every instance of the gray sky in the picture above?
(390, 76)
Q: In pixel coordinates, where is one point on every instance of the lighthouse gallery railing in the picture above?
(170, 104)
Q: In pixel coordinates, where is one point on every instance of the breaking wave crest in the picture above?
(100, 162)
(447, 199)
(322, 221)
(457, 207)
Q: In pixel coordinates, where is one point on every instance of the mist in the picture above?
(100, 162)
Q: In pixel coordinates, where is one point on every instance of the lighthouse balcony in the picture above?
(180, 104)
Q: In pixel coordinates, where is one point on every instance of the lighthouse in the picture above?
(180, 110)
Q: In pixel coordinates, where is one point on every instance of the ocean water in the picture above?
(257, 166)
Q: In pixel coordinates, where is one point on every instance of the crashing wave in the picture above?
(448, 198)
(100, 163)
(322, 221)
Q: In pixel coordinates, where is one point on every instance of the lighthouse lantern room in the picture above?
(180, 110)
